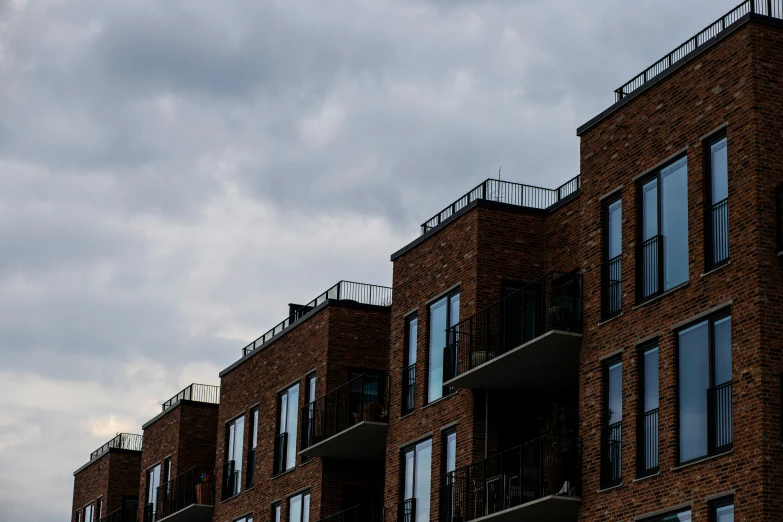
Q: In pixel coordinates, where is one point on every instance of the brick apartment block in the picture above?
(610, 350)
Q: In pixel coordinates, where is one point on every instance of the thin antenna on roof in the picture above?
(501, 168)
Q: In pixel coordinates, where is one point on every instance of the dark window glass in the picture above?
(717, 226)
(723, 511)
(612, 271)
(409, 371)
(648, 420)
(611, 466)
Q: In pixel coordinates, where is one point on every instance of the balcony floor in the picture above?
(548, 362)
(547, 509)
(192, 513)
(364, 441)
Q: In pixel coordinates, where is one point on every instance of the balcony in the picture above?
(539, 480)
(360, 513)
(612, 455)
(197, 393)
(343, 291)
(189, 497)
(126, 514)
(349, 422)
(527, 341)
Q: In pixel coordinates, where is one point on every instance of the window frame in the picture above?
(606, 204)
(718, 503)
(92, 511)
(150, 471)
(291, 438)
(409, 367)
(412, 448)
(228, 449)
(662, 517)
(605, 480)
(643, 350)
(277, 511)
(302, 494)
(709, 232)
(310, 389)
(710, 319)
(447, 297)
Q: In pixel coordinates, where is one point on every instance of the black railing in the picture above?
(281, 454)
(649, 269)
(364, 398)
(612, 288)
(360, 513)
(771, 8)
(647, 448)
(720, 415)
(406, 510)
(506, 192)
(195, 392)
(547, 466)
(718, 240)
(408, 389)
(251, 467)
(230, 480)
(195, 486)
(125, 441)
(611, 455)
(342, 291)
(149, 513)
(554, 302)
(779, 218)
(126, 514)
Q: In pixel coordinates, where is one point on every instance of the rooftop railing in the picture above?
(342, 291)
(506, 192)
(770, 8)
(195, 392)
(126, 441)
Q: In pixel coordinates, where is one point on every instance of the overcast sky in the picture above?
(173, 173)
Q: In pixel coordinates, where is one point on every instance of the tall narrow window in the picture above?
(611, 467)
(717, 238)
(285, 444)
(89, 511)
(153, 481)
(299, 508)
(444, 313)
(233, 466)
(166, 481)
(448, 493)
(647, 431)
(722, 510)
(308, 430)
(705, 416)
(276, 508)
(612, 272)
(253, 444)
(417, 465)
(409, 371)
(99, 509)
(662, 256)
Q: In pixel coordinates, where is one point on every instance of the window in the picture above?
(444, 313)
(233, 471)
(253, 443)
(717, 226)
(89, 512)
(299, 508)
(705, 410)
(722, 510)
(647, 431)
(78, 516)
(417, 463)
(99, 510)
(285, 444)
(662, 256)
(680, 516)
(448, 493)
(246, 518)
(611, 467)
(613, 248)
(409, 371)
(153, 481)
(276, 508)
(308, 430)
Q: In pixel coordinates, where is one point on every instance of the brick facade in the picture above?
(111, 477)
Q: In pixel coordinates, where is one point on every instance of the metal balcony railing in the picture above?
(280, 464)
(406, 510)
(612, 455)
(408, 389)
(195, 392)
(720, 418)
(195, 486)
(612, 288)
(649, 268)
(718, 239)
(770, 8)
(230, 480)
(342, 291)
(251, 467)
(364, 398)
(125, 441)
(547, 466)
(149, 513)
(647, 448)
(554, 302)
(506, 192)
(128, 514)
(360, 513)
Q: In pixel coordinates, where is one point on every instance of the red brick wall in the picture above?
(161, 440)
(111, 476)
(330, 341)
(715, 88)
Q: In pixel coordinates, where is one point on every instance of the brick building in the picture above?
(177, 465)
(611, 349)
(107, 487)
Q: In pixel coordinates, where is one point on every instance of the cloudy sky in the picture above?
(173, 173)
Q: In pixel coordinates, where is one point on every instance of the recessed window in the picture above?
(705, 388)
(153, 481)
(246, 518)
(444, 313)
(448, 492)
(612, 268)
(416, 472)
(308, 430)
(722, 510)
(662, 256)
(252, 444)
(99, 509)
(648, 432)
(409, 370)
(717, 225)
(276, 512)
(679, 516)
(299, 508)
(89, 512)
(233, 467)
(612, 433)
(285, 443)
